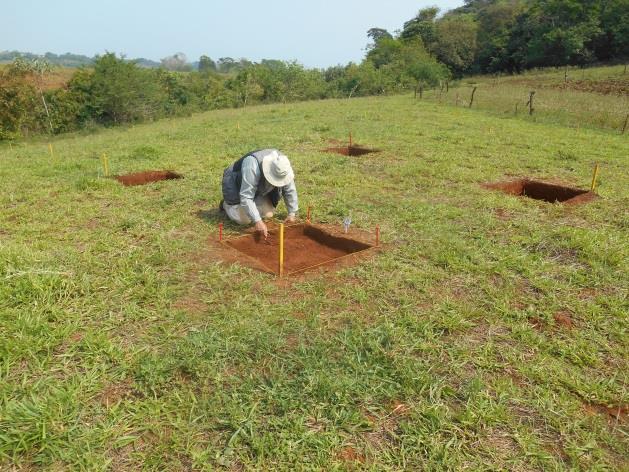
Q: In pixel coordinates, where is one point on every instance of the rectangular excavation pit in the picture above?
(351, 150)
(305, 247)
(143, 178)
(546, 192)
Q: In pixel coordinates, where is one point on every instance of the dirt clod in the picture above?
(547, 192)
(142, 178)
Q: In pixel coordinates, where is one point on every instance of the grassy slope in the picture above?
(593, 98)
(124, 340)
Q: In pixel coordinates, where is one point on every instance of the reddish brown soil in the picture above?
(141, 178)
(351, 150)
(350, 454)
(304, 246)
(563, 320)
(543, 191)
(613, 412)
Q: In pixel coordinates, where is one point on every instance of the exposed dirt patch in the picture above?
(305, 246)
(351, 150)
(142, 178)
(350, 454)
(115, 393)
(537, 323)
(619, 413)
(69, 342)
(191, 304)
(563, 320)
(503, 214)
(546, 192)
(385, 429)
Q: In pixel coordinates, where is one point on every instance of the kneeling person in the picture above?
(254, 185)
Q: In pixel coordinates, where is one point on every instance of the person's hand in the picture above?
(261, 228)
(290, 219)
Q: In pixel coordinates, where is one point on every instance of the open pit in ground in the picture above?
(351, 150)
(546, 192)
(142, 178)
(305, 247)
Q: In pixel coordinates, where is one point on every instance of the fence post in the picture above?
(472, 97)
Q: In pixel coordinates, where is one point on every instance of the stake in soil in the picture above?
(305, 247)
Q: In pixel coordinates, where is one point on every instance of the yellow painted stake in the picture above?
(594, 177)
(52, 154)
(281, 249)
(105, 161)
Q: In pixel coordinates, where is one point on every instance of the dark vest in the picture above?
(232, 179)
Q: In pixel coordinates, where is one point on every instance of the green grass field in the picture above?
(490, 334)
(597, 97)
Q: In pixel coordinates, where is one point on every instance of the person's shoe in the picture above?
(220, 207)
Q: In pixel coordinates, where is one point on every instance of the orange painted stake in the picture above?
(220, 231)
(377, 235)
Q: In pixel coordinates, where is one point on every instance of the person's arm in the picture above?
(250, 178)
(291, 200)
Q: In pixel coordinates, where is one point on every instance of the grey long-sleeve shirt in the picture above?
(253, 185)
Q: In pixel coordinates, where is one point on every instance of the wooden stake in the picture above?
(377, 235)
(52, 154)
(530, 102)
(105, 162)
(281, 261)
(624, 127)
(220, 231)
(594, 177)
(308, 215)
(350, 139)
(472, 97)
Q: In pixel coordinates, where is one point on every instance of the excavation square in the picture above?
(542, 191)
(142, 178)
(305, 246)
(351, 150)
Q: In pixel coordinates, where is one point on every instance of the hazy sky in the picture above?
(317, 33)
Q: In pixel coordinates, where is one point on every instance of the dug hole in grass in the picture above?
(306, 247)
(547, 192)
(351, 150)
(143, 178)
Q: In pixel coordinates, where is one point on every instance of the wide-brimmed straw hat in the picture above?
(277, 169)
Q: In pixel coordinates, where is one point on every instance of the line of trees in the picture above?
(488, 36)
(114, 91)
(481, 36)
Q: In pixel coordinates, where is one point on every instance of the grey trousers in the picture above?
(238, 214)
